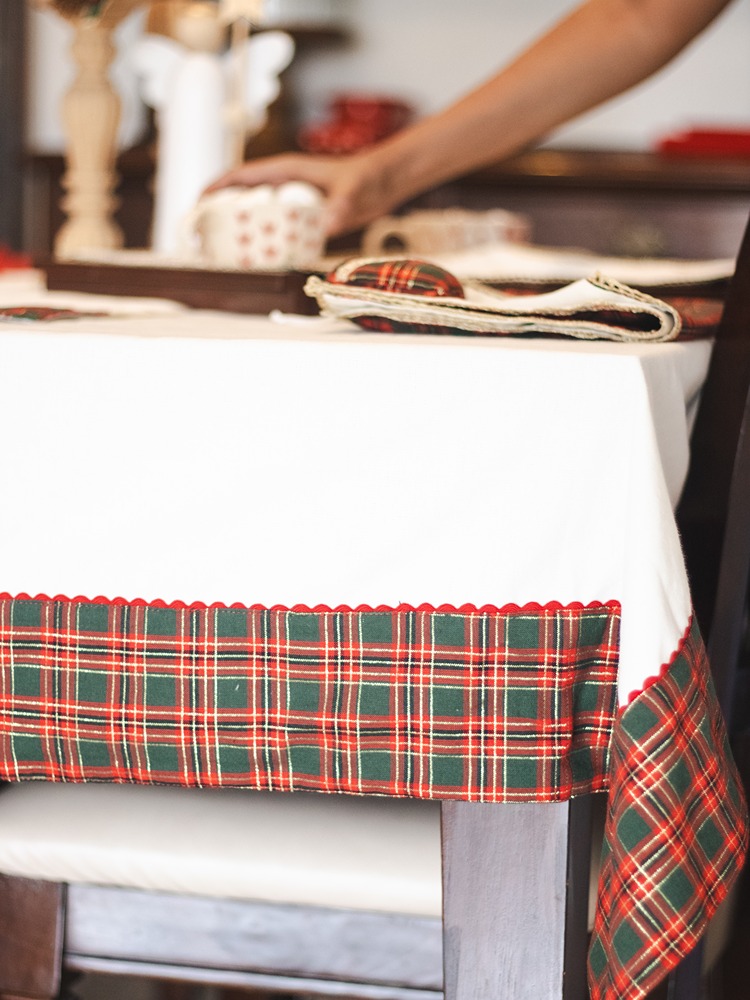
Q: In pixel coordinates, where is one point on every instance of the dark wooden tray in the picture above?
(200, 288)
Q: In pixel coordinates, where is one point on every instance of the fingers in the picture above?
(336, 221)
(269, 170)
(346, 211)
(344, 182)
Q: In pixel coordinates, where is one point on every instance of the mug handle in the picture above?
(386, 235)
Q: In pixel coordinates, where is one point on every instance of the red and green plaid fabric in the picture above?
(676, 831)
(484, 705)
(493, 705)
(44, 314)
(700, 315)
(407, 277)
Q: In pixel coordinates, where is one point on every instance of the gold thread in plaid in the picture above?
(495, 705)
(676, 831)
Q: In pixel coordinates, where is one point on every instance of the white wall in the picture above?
(430, 51)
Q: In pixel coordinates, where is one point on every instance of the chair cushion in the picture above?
(305, 848)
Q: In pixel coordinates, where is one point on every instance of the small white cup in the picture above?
(262, 228)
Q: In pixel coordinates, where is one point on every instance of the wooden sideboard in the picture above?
(12, 21)
(629, 203)
(625, 203)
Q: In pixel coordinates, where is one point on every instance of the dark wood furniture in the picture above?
(713, 520)
(623, 203)
(12, 23)
(613, 203)
(199, 288)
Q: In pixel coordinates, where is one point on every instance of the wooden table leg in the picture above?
(505, 870)
(31, 927)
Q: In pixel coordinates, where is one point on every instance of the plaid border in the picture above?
(676, 831)
(487, 705)
(494, 705)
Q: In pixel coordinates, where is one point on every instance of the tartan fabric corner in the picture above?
(676, 832)
(408, 276)
(490, 705)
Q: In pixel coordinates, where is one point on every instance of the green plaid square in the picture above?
(230, 623)
(27, 680)
(93, 618)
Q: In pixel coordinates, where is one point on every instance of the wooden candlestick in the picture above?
(239, 14)
(91, 115)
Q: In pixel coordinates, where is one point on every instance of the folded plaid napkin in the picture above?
(419, 296)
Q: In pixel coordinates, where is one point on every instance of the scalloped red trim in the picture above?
(470, 609)
(655, 678)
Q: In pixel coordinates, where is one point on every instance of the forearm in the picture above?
(600, 50)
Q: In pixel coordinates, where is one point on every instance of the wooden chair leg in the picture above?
(185, 991)
(504, 881)
(581, 812)
(685, 981)
(69, 982)
(31, 933)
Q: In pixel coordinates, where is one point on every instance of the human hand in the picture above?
(355, 187)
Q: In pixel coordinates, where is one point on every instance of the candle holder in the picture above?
(91, 114)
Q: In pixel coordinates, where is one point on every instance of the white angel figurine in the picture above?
(189, 80)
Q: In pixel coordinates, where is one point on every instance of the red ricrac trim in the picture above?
(654, 678)
(466, 609)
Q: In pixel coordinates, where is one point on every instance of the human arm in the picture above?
(601, 49)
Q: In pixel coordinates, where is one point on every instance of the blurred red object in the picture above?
(706, 142)
(12, 259)
(356, 121)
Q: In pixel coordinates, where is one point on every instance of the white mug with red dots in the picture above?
(260, 228)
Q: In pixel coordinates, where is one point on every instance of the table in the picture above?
(434, 567)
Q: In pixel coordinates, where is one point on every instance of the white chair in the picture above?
(295, 893)
(222, 886)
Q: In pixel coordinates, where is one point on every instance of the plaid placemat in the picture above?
(676, 831)
(489, 705)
